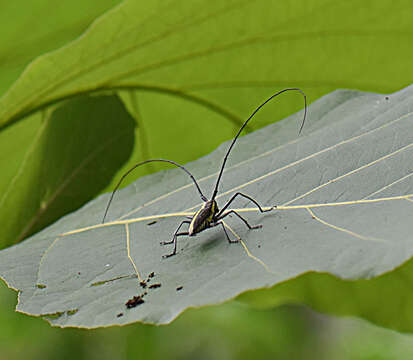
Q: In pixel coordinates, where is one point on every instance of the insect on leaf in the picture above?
(344, 191)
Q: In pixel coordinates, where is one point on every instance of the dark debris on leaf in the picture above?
(154, 286)
(179, 288)
(135, 301)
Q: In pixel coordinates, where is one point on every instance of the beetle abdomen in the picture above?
(203, 217)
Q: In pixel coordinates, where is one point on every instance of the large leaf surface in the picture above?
(343, 192)
(188, 68)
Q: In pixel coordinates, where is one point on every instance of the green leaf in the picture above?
(73, 156)
(212, 51)
(344, 195)
(32, 28)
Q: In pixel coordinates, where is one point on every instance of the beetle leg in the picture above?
(245, 221)
(175, 234)
(225, 231)
(174, 239)
(175, 243)
(245, 196)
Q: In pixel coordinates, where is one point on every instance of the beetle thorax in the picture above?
(203, 217)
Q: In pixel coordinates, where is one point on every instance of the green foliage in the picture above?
(179, 84)
(161, 47)
(70, 161)
(32, 28)
(229, 331)
(185, 70)
(343, 190)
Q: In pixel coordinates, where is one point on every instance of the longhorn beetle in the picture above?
(209, 215)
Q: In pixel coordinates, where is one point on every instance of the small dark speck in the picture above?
(152, 222)
(259, 246)
(143, 284)
(285, 228)
(151, 275)
(79, 273)
(387, 98)
(179, 288)
(145, 293)
(135, 301)
(119, 315)
(154, 286)
(313, 217)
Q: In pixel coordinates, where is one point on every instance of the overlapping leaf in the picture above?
(343, 192)
(200, 49)
(70, 160)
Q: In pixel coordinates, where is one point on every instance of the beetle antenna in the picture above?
(145, 162)
(245, 123)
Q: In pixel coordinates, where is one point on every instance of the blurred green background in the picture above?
(321, 46)
(230, 331)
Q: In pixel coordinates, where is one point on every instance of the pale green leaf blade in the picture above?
(343, 191)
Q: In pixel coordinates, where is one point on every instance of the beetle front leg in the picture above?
(175, 234)
(175, 244)
(239, 216)
(174, 239)
(219, 215)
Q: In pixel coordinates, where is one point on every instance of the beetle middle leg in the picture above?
(225, 231)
